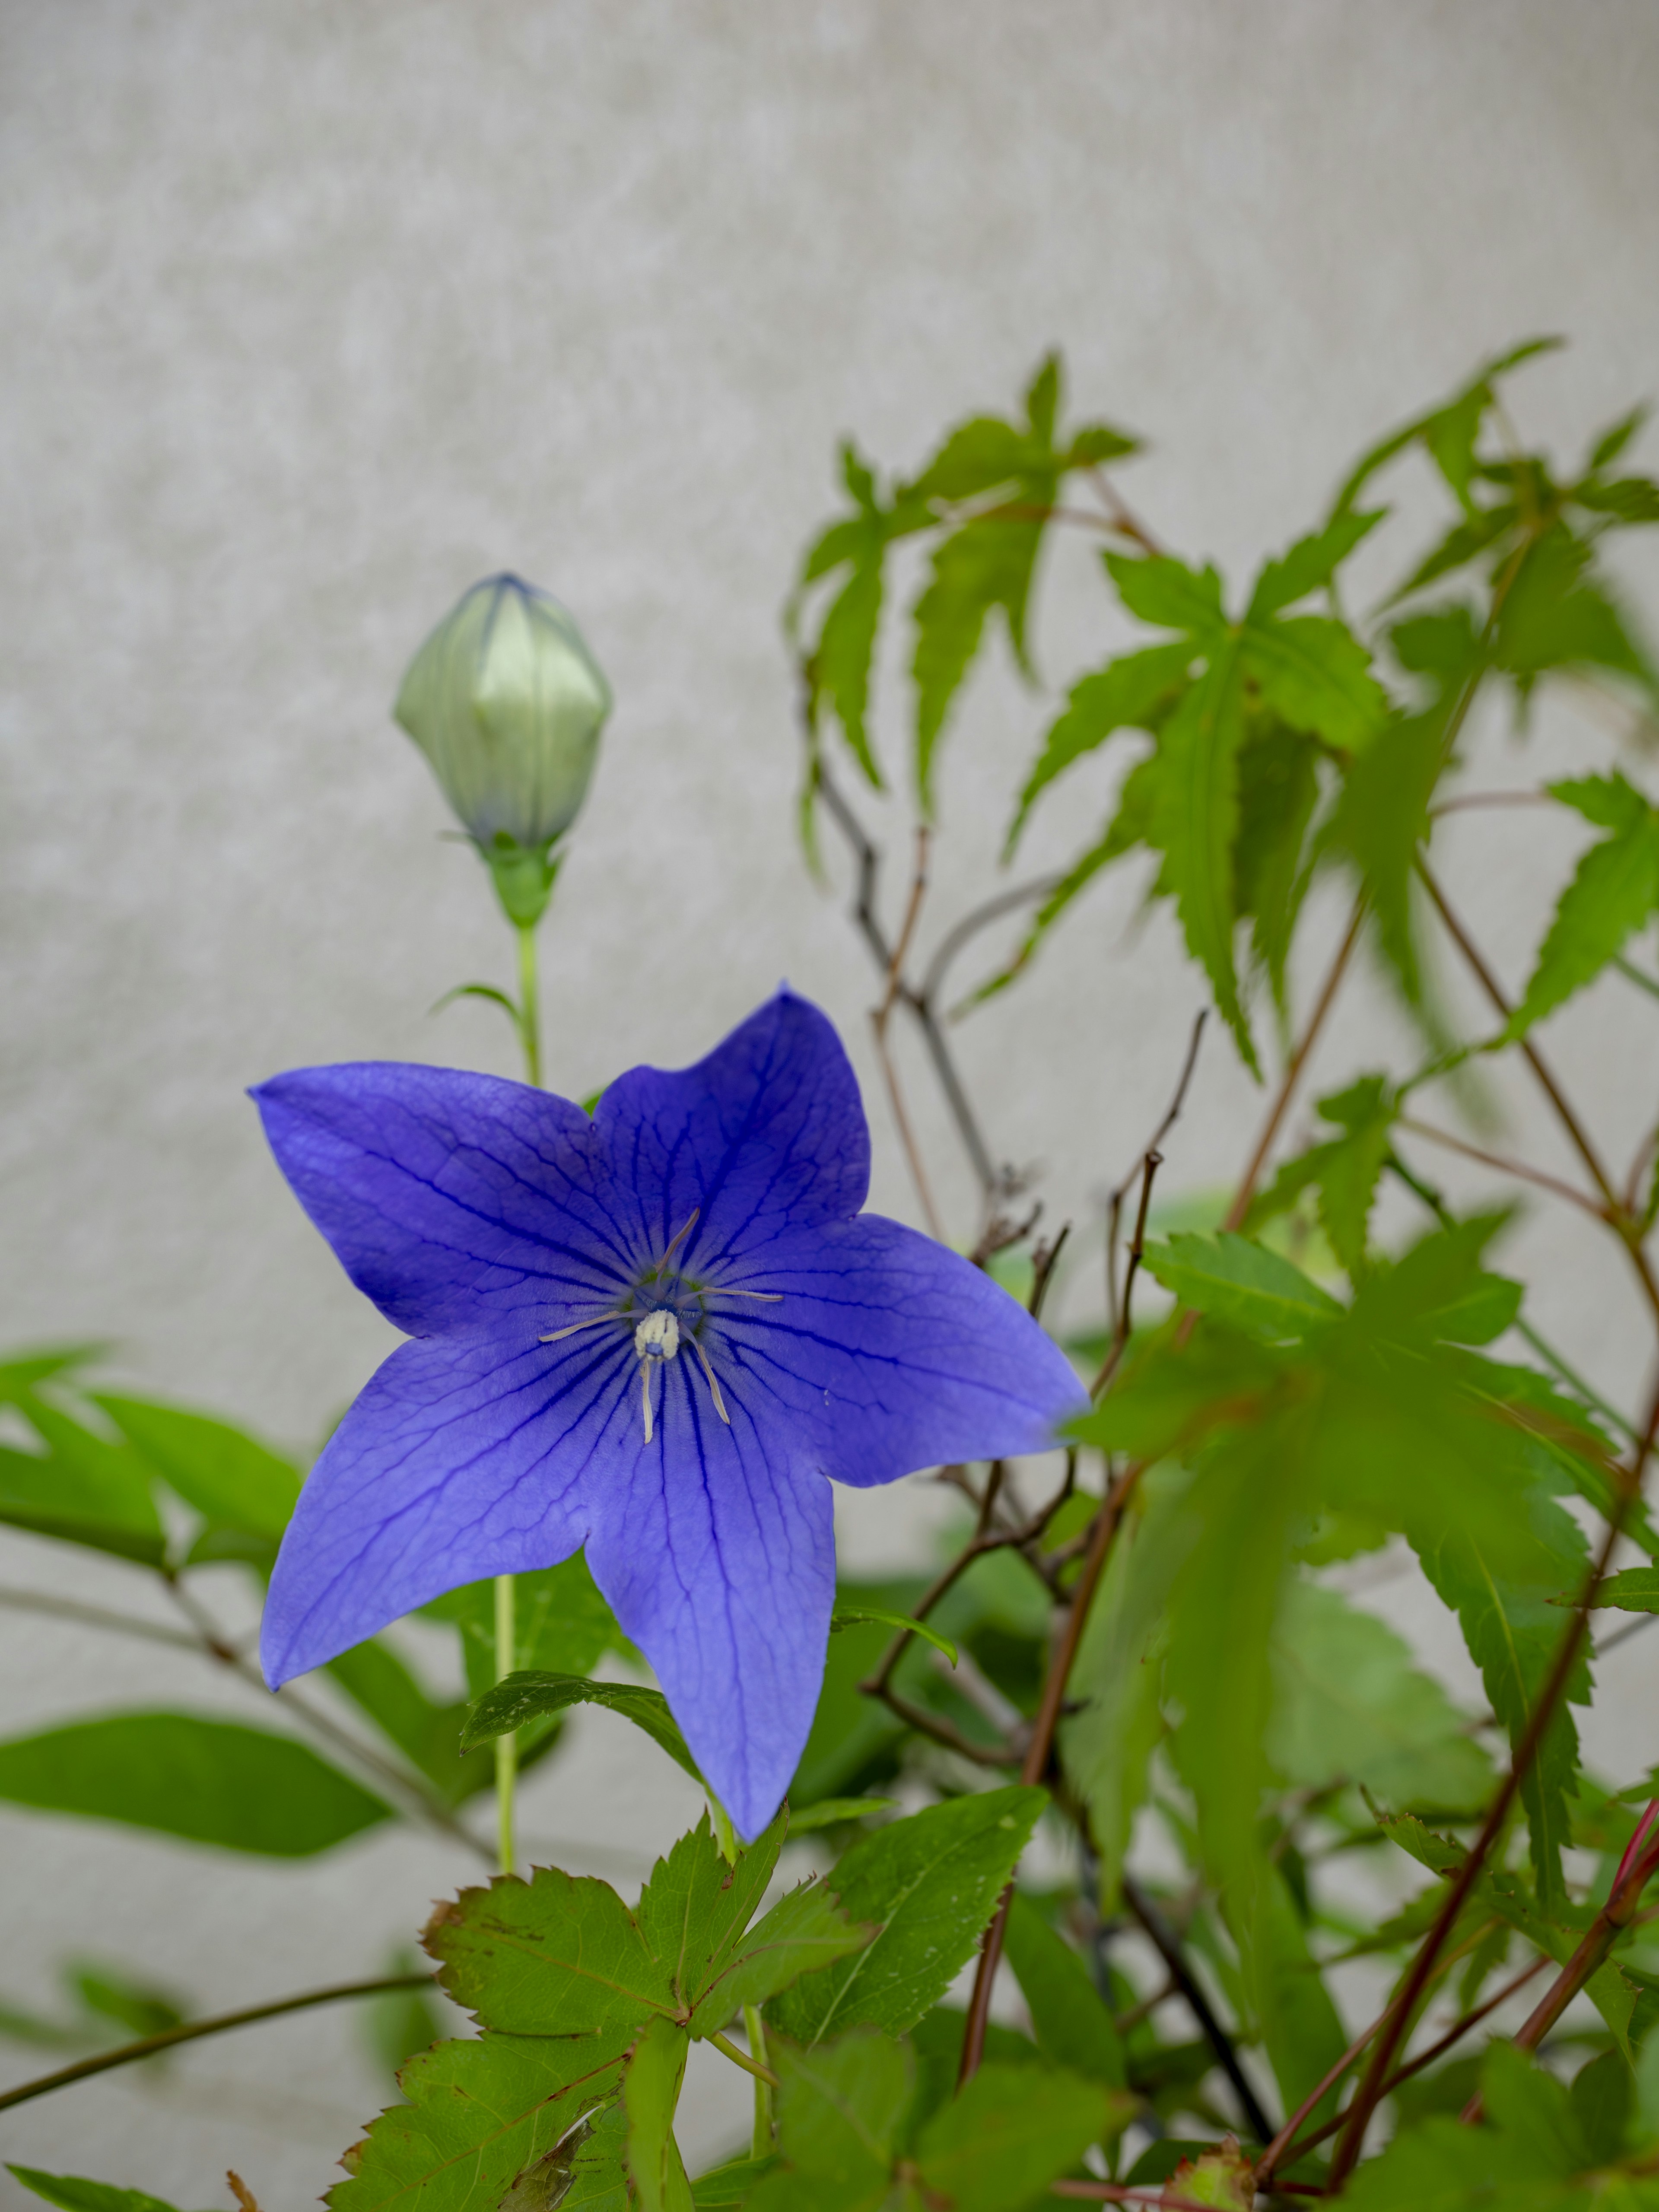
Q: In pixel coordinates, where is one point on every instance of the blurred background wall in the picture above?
(312, 315)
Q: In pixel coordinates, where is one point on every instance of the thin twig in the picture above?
(980, 917)
(96, 1616)
(1518, 1168)
(1120, 1333)
(1298, 1061)
(879, 1020)
(148, 2045)
(1163, 1940)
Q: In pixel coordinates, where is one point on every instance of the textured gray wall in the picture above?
(311, 315)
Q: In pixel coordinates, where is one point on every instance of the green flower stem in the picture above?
(506, 1747)
(529, 1024)
(754, 2030)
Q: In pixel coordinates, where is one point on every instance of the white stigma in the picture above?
(657, 1337)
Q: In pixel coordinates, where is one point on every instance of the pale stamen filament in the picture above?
(592, 1321)
(645, 1391)
(678, 1238)
(716, 1291)
(719, 1403)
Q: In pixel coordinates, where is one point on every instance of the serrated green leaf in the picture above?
(1196, 820)
(1072, 2024)
(1463, 542)
(931, 1882)
(804, 1932)
(841, 2107)
(1513, 1632)
(1634, 1589)
(1312, 672)
(693, 1911)
(980, 455)
(651, 2093)
(986, 564)
(1380, 819)
(1628, 502)
(1614, 890)
(21, 1373)
(560, 1954)
(1097, 443)
(1278, 791)
(525, 1696)
(74, 2194)
(1011, 2132)
(1345, 1171)
(562, 1626)
(840, 664)
(1240, 1282)
(1614, 440)
(1310, 563)
(1127, 694)
(1555, 616)
(208, 1781)
(498, 2120)
(1168, 594)
(1447, 432)
(1349, 1704)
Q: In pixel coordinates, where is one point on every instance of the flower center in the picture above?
(676, 1317)
(657, 1336)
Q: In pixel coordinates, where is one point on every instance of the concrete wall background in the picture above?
(310, 317)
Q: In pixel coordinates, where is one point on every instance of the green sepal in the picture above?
(524, 877)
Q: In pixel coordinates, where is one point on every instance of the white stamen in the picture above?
(719, 1403)
(575, 1326)
(657, 1336)
(645, 1390)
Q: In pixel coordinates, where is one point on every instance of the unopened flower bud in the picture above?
(507, 703)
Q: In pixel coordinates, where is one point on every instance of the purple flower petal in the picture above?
(447, 1196)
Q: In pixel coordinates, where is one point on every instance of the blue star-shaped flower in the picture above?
(655, 1332)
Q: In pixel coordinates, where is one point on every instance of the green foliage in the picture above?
(1613, 892)
(73, 2194)
(847, 2133)
(525, 1697)
(562, 1626)
(1073, 2027)
(180, 1774)
(933, 1882)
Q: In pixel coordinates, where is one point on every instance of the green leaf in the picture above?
(1072, 2025)
(841, 2107)
(1349, 1704)
(804, 1932)
(1240, 1282)
(1612, 442)
(1196, 820)
(211, 1782)
(1513, 1631)
(1313, 673)
(693, 1911)
(1345, 1171)
(1531, 2137)
(1448, 432)
(232, 1481)
(1463, 542)
(493, 2121)
(1278, 791)
(1636, 1589)
(19, 1375)
(1129, 693)
(1630, 502)
(1380, 818)
(987, 563)
(651, 2092)
(559, 1955)
(828, 1812)
(861, 1616)
(1011, 2133)
(525, 1696)
(1602, 2096)
(1168, 594)
(1554, 615)
(933, 1882)
(1613, 892)
(426, 1733)
(1310, 563)
(85, 1489)
(75, 2194)
(562, 1626)
(400, 2023)
(728, 2188)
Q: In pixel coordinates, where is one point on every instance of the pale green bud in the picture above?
(507, 703)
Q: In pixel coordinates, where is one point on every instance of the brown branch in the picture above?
(148, 2045)
(882, 1015)
(1120, 1343)
(1298, 1061)
(1370, 2090)
(1518, 1168)
(978, 918)
(1041, 1747)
